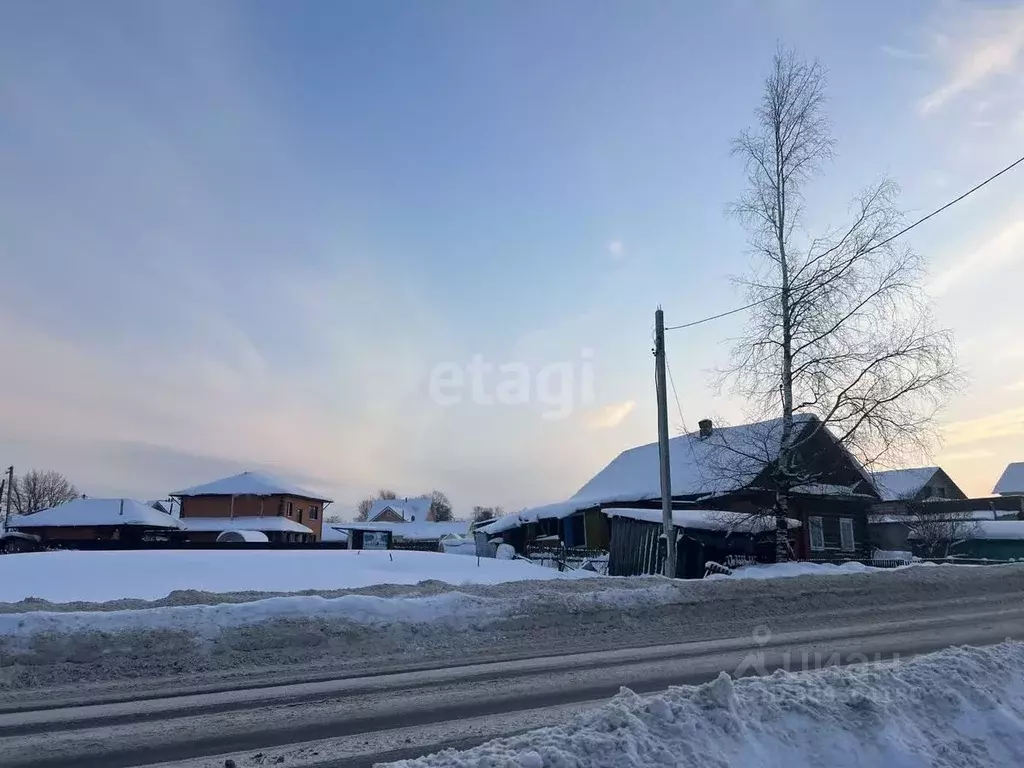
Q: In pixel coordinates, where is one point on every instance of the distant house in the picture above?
(928, 492)
(416, 509)
(1011, 483)
(729, 469)
(427, 533)
(917, 484)
(251, 501)
(87, 520)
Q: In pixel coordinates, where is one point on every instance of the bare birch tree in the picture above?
(839, 327)
(936, 533)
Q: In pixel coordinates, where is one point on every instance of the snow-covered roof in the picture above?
(250, 484)
(412, 509)
(731, 458)
(93, 512)
(417, 531)
(705, 519)
(242, 524)
(1000, 529)
(896, 484)
(1011, 483)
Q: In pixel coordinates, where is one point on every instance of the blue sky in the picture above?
(243, 234)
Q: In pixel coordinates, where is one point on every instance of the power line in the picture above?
(888, 240)
(686, 431)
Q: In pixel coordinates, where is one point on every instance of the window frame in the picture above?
(816, 523)
(846, 524)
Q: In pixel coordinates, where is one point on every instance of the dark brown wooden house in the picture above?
(91, 520)
(729, 469)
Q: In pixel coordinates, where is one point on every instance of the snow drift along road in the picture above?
(960, 708)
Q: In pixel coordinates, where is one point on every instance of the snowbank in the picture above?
(788, 570)
(63, 577)
(209, 620)
(960, 707)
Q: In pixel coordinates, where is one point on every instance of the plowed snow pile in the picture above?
(961, 708)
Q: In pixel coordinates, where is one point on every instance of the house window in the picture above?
(940, 491)
(312, 513)
(846, 534)
(926, 492)
(817, 533)
(288, 509)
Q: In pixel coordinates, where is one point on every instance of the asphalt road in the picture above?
(357, 721)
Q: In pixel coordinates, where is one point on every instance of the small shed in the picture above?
(994, 540)
(361, 538)
(702, 535)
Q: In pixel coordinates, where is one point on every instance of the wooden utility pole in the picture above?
(663, 455)
(10, 489)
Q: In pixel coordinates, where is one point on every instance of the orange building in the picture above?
(252, 501)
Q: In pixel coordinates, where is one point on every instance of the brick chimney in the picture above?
(706, 428)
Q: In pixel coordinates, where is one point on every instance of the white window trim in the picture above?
(849, 543)
(813, 522)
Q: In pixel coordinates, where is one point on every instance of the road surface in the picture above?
(357, 721)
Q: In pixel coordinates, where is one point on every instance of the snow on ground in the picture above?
(960, 708)
(788, 570)
(63, 577)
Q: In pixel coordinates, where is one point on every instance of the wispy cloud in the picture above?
(609, 416)
(1004, 248)
(1007, 423)
(981, 44)
(1016, 387)
(617, 249)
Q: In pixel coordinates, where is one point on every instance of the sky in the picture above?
(420, 245)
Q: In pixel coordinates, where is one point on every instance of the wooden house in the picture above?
(1011, 482)
(90, 520)
(918, 484)
(417, 509)
(727, 469)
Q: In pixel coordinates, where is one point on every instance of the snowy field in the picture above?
(64, 577)
(960, 708)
